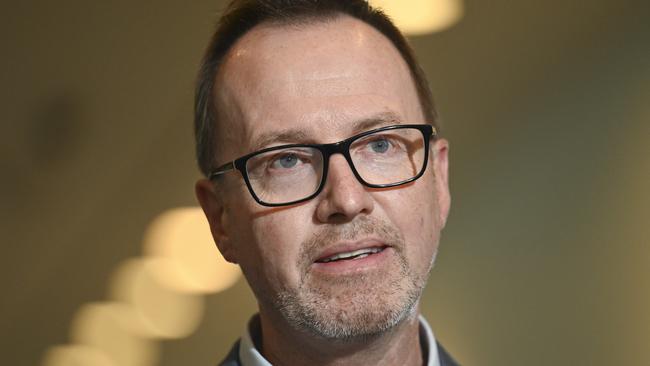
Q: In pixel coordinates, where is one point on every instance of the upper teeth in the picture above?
(354, 253)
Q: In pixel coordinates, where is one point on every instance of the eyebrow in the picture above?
(300, 135)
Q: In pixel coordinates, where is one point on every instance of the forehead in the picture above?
(319, 78)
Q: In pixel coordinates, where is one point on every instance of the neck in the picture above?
(282, 345)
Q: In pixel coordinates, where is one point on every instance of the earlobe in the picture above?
(441, 167)
(217, 214)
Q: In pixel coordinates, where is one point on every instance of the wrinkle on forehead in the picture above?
(279, 74)
(306, 134)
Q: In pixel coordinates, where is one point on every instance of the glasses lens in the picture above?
(285, 175)
(389, 156)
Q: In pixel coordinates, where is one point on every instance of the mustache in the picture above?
(360, 228)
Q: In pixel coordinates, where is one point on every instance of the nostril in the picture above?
(338, 218)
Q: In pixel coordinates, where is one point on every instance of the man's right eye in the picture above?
(284, 161)
(379, 145)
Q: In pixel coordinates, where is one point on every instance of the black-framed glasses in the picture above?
(380, 158)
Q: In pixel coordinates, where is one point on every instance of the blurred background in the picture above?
(545, 259)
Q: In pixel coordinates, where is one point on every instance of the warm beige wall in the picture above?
(546, 258)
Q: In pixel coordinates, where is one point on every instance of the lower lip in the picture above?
(350, 266)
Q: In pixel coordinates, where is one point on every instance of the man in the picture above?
(325, 181)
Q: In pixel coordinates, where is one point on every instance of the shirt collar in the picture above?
(250, 356)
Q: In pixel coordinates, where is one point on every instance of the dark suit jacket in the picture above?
(233, 357)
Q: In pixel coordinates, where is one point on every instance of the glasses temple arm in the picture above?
(222, 170)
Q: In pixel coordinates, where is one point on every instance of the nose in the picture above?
(343, 196)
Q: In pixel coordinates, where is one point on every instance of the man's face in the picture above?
(322, 83)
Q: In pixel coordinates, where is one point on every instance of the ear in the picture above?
(440, 152)
(217, 214)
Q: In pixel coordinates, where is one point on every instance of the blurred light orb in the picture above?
(107, 327)
(76, 355)
(158, 311)
(418, 17)
(191, 261)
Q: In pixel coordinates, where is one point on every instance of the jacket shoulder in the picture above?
(445, 358)
(232, 359)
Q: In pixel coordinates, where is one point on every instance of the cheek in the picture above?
(277, 239)
(414, 211)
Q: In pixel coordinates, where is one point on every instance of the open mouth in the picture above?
(351, 255)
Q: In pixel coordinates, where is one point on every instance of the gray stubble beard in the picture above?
(357, 308)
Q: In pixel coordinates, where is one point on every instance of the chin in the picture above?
(362, 309)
